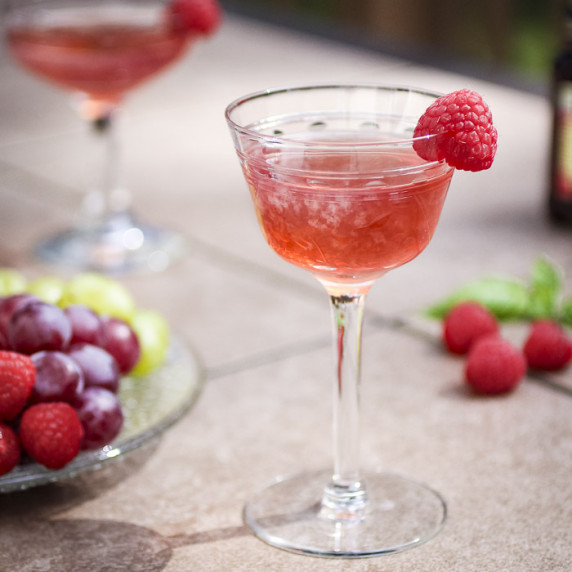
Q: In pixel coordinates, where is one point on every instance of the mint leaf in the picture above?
(506, 298)
(545, 290)
(566, 312)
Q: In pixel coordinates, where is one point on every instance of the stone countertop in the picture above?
(262, 331)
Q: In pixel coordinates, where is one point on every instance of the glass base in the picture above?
(114, 247)
(399, 514)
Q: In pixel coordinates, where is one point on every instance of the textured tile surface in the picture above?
(261, 328)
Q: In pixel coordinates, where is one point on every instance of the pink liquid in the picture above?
(100, 53)
(338, 215)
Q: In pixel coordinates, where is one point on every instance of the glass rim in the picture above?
(249, 131)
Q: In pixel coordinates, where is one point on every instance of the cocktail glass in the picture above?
(100, 50)
(339, 191)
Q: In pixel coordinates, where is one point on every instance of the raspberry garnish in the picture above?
(494, 366)
(201, 16)
(466, 323)
(462, 124)
(51, 433)
(9, 449)
(17, 376)
(547, 347)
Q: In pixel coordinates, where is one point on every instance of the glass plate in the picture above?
(151, 404)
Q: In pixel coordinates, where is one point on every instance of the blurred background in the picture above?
(507, 41)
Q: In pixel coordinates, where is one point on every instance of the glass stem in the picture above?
(106, 201)
(345, 496)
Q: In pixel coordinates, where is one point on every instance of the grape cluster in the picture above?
(83, 336)
(104, 296)
(79, 358)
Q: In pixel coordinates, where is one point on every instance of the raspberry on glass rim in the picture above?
(199, 16)
(465, 136)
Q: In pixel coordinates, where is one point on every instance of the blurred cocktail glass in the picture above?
(99, 51)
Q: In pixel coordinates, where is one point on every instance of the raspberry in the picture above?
(466, 323)
(202, 16)
(9, 449)
(465, 135)
(17, 377)
(494, 366)
(51, 433)
(547, 346)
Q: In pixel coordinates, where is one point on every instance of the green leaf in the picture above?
(507, 298)
(545, 290)
(566, 312)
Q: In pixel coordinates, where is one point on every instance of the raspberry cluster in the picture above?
(60, 371)
(494, 365)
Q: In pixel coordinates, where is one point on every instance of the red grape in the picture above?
(121, 342)
(101, 416)
(58, 378)
(39, 326)
(9, 306)
(86, 325)
(98, 366)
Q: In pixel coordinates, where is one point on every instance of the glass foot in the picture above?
(399, 515)
(113, 248)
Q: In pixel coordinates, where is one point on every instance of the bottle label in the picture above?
(563, 182)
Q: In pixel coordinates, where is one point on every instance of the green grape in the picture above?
(47, 288)
(11, 282)
(102, 294)
(153, 334)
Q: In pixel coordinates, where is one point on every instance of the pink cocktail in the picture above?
(340, 192)
(331, 213)
(101, 53)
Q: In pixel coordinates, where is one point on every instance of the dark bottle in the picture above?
(560, 197)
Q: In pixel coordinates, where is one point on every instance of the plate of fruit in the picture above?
(86, 376)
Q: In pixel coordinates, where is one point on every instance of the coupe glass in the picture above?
(99, 50)
(339, 191)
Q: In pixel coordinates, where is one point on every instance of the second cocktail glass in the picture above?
(339, 191)
(100, 50)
